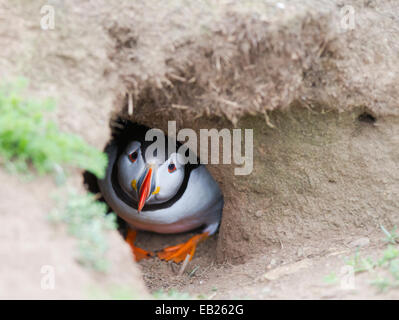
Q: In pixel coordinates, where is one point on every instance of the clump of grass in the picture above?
(172, 294)
(390, 262)
(361, 264)
(385, 269)
(331, 278)
(88, 221)
(389, 255)
(390, 237)
(114, 292)
(29, 138)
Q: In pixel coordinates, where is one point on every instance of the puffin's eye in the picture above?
(133, 156)
(171, 167)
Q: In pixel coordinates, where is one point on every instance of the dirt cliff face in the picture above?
(320, 97)
(317, 176)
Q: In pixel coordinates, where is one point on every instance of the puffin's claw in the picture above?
(179, 252)
(139, 253)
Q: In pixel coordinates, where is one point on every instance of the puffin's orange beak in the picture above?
(145, 189)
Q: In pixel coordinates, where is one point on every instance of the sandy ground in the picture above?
(32, 249)
(298, 272)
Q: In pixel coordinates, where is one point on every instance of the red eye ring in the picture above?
(171, 167)
(133, 156)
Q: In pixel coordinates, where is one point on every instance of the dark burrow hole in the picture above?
(90, 180)
(367, 117)
(91, 185)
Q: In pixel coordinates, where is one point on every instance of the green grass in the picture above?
(390, 237)
(114, 292)
(360, 264)
(88, 221)
(390, 263)
(172, 294)
(331, 278)
(119, 292)
(384, 270)
(28, 136)
(31, 143)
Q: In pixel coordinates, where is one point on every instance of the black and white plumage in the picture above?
(158, 194)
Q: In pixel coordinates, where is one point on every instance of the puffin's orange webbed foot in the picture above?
(139, 253)
(179, 252)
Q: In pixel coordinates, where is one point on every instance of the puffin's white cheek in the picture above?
(162, 195)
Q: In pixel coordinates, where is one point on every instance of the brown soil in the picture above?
(335, 168)
(30, 242)
(284, 273)
(323, 176)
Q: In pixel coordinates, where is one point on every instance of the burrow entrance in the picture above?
(315, 172)
(148, 240)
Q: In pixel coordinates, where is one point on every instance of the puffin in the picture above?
(160, 194)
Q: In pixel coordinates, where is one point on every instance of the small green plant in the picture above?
(360, 264)
(389, 254)
(172, 294)
(390, 237)
(29, 138)
(331, 278)
(382, 283)
(385, 269)
(115, 292)
(88, 221)
(390, 262)
(387, 264)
